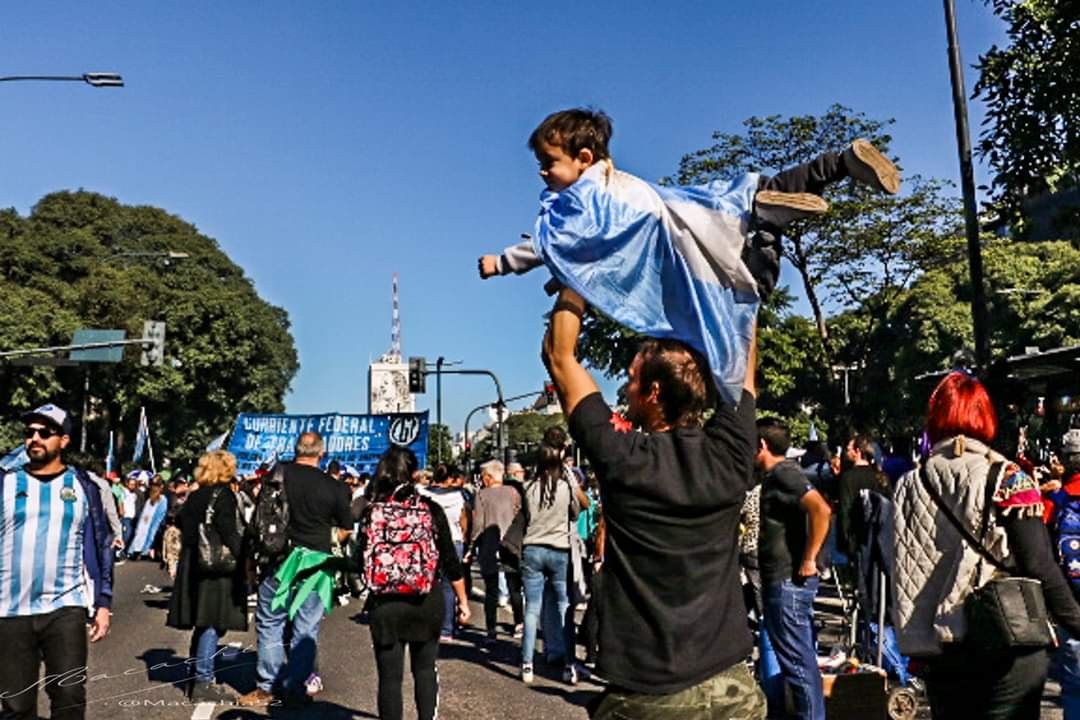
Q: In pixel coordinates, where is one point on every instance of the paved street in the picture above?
(138, 670)
(144, 664)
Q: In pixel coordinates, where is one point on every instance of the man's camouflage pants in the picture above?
(729, 695)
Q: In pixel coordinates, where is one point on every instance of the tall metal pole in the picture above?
(967, 184)
(438, 401)
(85, 410)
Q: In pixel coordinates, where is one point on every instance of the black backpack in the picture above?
(270, 521)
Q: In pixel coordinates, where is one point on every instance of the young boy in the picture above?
(687, 263)
(569, 142)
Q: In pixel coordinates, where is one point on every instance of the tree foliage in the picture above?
(84, 260)
(1031, 89)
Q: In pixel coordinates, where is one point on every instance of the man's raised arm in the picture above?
(572, 381)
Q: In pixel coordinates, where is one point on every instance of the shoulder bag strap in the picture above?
(964, 532)
(209, 517)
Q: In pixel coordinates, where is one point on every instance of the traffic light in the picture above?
(153, 349)
(549, 393)
(417, 375)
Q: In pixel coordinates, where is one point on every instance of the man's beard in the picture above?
(40, 454)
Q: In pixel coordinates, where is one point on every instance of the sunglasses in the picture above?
(43, 432)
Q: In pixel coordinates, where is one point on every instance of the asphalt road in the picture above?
(138, 670)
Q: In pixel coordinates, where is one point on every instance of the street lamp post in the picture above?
(967, 184)
(94, 79)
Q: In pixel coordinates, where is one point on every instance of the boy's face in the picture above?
(560, 170)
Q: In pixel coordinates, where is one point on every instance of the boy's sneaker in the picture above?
(527, 673)
(780, 209)
(869, 166)
(570, 674)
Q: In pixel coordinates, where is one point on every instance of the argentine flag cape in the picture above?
(663, 261)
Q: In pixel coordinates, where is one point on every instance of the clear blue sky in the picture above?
(327, 145)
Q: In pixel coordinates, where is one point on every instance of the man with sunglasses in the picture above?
(55, 566)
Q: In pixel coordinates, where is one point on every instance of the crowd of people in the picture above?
(696, 542)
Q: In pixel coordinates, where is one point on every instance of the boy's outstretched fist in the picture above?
(489, 265)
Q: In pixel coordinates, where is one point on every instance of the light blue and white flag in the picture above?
(14, 459)
(218, 442)
(141, 436)
(109, 459)
(663, 261)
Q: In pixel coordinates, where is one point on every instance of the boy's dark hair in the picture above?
(333, 467)
(574, 130)
(682, 374)
(776, 434)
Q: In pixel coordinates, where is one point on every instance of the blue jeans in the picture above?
(1065, 668)
(449, 623)
(271, 672)
(789, 620)
(542, 565)
(204, 643)
(127, 527)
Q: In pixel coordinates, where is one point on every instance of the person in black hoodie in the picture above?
(209, 604)
(415, 621)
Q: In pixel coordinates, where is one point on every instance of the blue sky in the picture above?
(326, 146)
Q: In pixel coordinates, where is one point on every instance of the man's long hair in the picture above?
(683, 377)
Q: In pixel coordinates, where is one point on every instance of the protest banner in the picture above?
(356, 440)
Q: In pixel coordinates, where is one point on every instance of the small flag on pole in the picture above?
(141, 437)
(109, 457)
(218, 442)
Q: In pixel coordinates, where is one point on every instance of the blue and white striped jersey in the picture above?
(42, 527)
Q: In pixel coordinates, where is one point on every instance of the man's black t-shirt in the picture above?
(782, 534)
(317, 503)
(671, 611)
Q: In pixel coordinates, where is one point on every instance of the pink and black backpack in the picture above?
(400, 553)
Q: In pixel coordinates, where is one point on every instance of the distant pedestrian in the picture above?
(451, 498)
(316, 503)
(210, 604)
(496, 507)
(552, 504)
(400, 620)
(151, 520)
(55, 569)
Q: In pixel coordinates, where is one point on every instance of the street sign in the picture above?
(86, 336)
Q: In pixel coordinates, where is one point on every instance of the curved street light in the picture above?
(95, 79)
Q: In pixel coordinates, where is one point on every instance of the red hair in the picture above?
(960, 405)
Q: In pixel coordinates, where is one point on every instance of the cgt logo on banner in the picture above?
(357, 440)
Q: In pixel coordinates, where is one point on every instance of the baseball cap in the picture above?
(51, 414)
(1070, 442)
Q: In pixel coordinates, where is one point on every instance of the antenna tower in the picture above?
(394, 354)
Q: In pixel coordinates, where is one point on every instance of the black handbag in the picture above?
(1007, 612)
(214, 556)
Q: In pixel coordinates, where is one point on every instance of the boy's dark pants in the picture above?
(60, 638)
(812, 177)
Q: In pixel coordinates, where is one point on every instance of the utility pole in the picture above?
(438, 401)
(967, 184)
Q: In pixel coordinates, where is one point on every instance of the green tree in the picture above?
(524, 431)
(1031, 88)
(84, 260)
(439, 441)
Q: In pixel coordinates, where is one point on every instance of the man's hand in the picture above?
(488, 265)
(559, 352)
(808, 569)
(99, 628)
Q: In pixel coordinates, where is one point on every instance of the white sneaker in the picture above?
(570, 674)
(527, 673)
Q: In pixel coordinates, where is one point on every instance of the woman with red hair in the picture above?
(937, 569)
